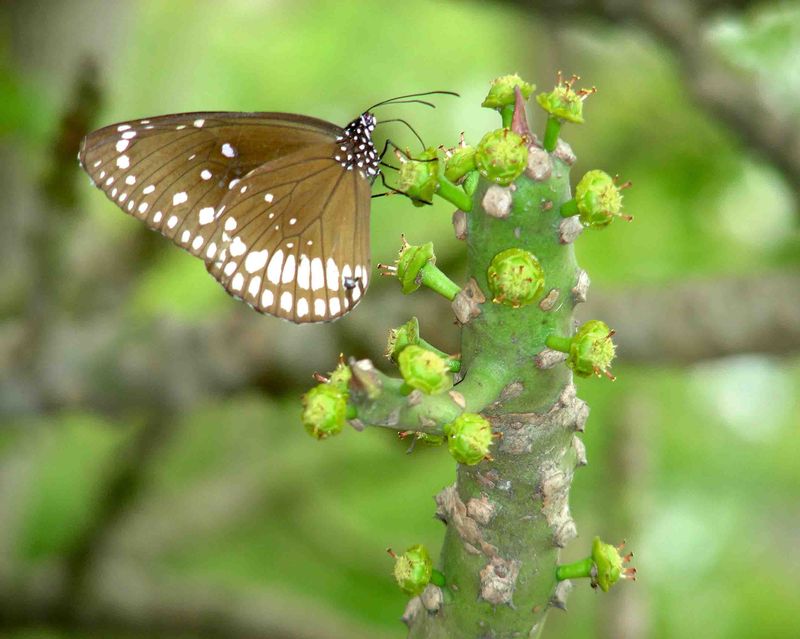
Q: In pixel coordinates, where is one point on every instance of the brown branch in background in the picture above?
(731, 96)
(691, 321)
(131, 602)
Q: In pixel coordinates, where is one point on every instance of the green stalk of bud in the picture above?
(469, 438)
(590, 351)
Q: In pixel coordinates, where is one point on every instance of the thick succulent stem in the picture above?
(507, 518)
(512, 418)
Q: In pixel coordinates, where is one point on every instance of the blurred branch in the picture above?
(127, 601)
(691, 321)
(729, 95)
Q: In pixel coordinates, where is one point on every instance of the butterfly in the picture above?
(277, 205)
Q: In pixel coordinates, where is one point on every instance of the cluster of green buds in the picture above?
(597, 201)
(413, 570)
(604, 567)
(515, 277)
(416, 266)
(325, 409)
(590, 351)
(563, 104)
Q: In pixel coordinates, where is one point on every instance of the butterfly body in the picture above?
(275, 204)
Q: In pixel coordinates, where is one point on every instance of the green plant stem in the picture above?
(507, 114)
(433, 277)
(448, 190)
(575, 570)
(551, 133)
(569, 208)
(558, 343)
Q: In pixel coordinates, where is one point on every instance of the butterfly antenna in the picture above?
(413, 95)
(410, 128)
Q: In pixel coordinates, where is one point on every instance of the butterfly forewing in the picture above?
(296, 244)
(173, 171)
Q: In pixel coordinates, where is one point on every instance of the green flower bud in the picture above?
(401, 337)
(590, 351)
(598, 199)
(458, 162)
(410, 262)
(340, 377)
(502, 156)
(563, 102)
(501, 92)
(424, 370)
(418, 176)
(324, 410)
(515, 277)
(413, 570)
(605, 566)
(469, 438)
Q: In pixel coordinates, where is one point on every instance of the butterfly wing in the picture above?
(292, 237)
(173, 171)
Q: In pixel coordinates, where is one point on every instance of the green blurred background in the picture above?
(154, 478)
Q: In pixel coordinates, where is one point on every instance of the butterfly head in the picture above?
(356, 149)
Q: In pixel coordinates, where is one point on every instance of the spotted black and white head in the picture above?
(356, 150)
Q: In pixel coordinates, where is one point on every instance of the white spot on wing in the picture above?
(211, 251)
(172, 221)
(335, 305)
(230, 267)
(230, 224)
(237, 282)
(179, 198)
(123, 162)
(206, 215)
(317, 274)
(286, 301)
(197, 242)
(275, 267)
(199, 123)
(205, 174)
(122, 145)
(304, 272)
(256, 260)
(267, 298)
(319, 307)
(288, 270)
(268, 198)
(237, 247)
(254, 286)
(149, 189)
(123, 127)
(302, 307)
(332, 272)
(185, 236)
(228, 151)
(131, 180)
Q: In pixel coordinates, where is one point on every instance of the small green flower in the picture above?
(598, 199)
(415, 266)
(418, 177)
(605, 566)
(501, 92)
(515, 277)
(469, 438)
(590, 351)
(401, 337)
(502, 156)
(459, 161)
(324, 410)
(413, 569)
(424, 370)
(563, 102)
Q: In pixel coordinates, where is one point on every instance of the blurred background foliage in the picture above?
(154, 477)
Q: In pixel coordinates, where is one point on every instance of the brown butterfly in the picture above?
(276, 204)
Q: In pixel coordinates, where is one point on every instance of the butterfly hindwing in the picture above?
(296, 243)
(173, 171)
